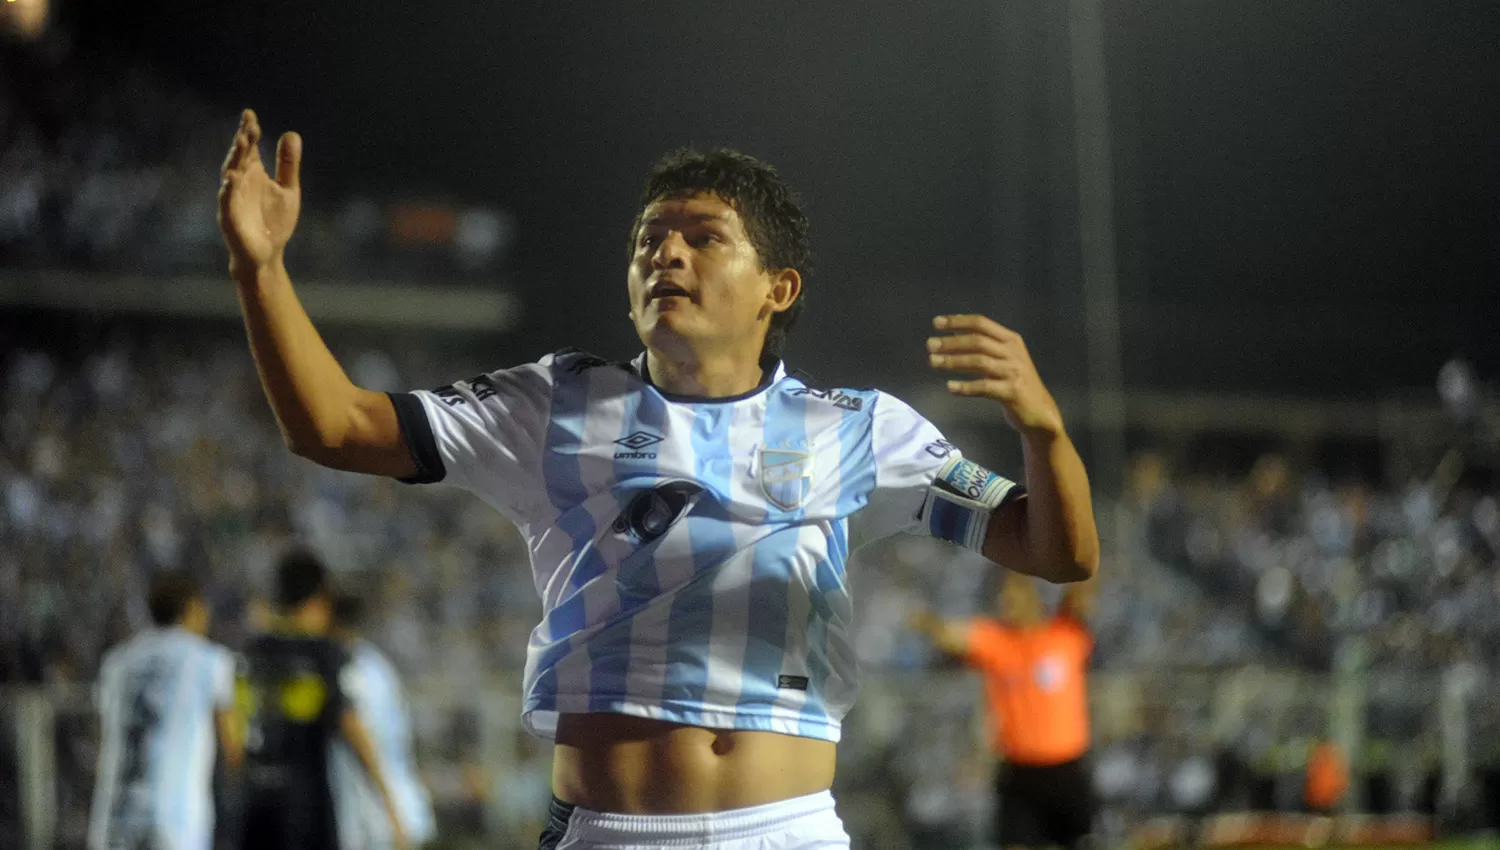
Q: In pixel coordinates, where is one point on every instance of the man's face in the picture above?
(696, 279)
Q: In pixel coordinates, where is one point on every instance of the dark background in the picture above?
(1306, 192)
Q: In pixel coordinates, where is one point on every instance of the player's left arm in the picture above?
(1051, 533)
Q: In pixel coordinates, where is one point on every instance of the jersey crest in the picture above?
(786, 476)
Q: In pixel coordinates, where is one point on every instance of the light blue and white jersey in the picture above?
(157, 696)
(375, 692)
(690, 553)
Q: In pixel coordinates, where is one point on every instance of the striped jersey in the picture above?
(157, 696)
(690, 553)
(374, 690)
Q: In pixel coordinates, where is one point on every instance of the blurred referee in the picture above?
(292, 692)
(1034, 670)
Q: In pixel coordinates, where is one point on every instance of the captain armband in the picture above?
(962, 497)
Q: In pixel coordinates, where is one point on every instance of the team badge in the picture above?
(785, 476)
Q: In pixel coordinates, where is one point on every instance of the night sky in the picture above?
(1308, 193)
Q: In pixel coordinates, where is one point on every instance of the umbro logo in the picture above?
(639, 440)
(636, 445)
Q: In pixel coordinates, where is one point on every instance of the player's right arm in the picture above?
(323, 416)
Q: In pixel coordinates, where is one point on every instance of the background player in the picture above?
(374, 689)
(165, 701)
(292, 690)
(1034, 669)
(687, 512)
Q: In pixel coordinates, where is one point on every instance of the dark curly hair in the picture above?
(771, 211)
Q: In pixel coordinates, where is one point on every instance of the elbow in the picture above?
(1085, 568)
(318, 448)
(1081, 567)
(1086, 565)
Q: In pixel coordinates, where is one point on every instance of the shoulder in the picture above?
(576, 361)
(534, 378)
(369, 655)
(115, 657)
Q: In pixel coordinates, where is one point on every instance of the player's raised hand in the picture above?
(257, 213)
(997, 355)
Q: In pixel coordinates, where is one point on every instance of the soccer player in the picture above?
(165, 707)
(375, 691)
(687, 511)
(292, 689)
(1034, 670)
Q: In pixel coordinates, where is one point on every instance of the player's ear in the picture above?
(785, 289)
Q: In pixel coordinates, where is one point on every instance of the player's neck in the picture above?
(704, 376)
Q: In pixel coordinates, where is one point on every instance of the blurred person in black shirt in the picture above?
(292, 692)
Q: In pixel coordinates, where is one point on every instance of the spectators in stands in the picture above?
(107, 165)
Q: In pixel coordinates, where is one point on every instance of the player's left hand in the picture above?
(981, 346)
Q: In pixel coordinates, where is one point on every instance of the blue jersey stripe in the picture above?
(775, 559)
(690, 622)
(828, 580)
(566, 492)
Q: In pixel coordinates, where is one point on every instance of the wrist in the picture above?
(1043, 435)
(256, 275)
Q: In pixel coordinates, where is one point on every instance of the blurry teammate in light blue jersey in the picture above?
(687, 510)
(166, 712)
(375, 691)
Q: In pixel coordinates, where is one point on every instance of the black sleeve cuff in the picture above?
(417, 432)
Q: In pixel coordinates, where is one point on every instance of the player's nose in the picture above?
(671, 252)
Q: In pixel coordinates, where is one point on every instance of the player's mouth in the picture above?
(665, 289)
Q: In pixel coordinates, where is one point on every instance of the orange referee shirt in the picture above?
(1034, 679)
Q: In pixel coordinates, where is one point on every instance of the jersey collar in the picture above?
(771, 371)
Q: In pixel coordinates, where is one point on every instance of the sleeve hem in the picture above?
(416, 430)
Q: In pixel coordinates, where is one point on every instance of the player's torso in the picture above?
(158, 714)
(286, 689)
(1041, 693)
(694, 554)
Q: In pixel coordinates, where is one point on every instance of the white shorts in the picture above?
(801, 823)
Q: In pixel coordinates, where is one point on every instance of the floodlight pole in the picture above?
(1096, 231)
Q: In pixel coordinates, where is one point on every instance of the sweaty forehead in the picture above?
(691, 209)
